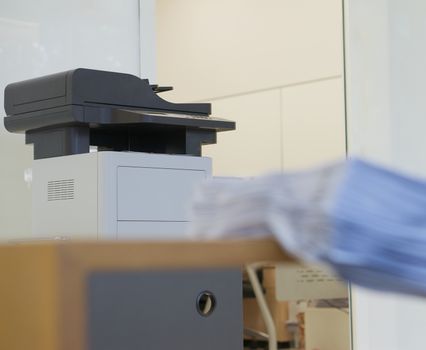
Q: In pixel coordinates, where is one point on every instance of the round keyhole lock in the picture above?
(206, 303)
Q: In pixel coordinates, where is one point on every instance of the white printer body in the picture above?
(115, 195)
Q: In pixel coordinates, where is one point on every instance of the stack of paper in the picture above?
(292, 206)
(367, 222)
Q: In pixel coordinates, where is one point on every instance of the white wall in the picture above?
(42, 37)
(386, 122)
(275, 67)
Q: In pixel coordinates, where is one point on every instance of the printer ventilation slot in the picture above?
(60, 190)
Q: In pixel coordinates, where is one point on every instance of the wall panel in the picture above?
(209, 49)
(313, 126)
(255, 147)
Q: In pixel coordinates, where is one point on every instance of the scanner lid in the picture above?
(67, 112)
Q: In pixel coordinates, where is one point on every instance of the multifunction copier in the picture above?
(148, 159)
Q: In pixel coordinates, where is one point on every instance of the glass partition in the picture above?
(44, 37)
(276, 68)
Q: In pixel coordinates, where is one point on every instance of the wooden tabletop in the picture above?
(43, 285)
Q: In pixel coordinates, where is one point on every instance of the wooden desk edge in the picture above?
(160, 254)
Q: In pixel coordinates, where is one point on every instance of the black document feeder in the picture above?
(66, 113)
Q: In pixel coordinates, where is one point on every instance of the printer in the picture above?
(137, 184)
(148, 160)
